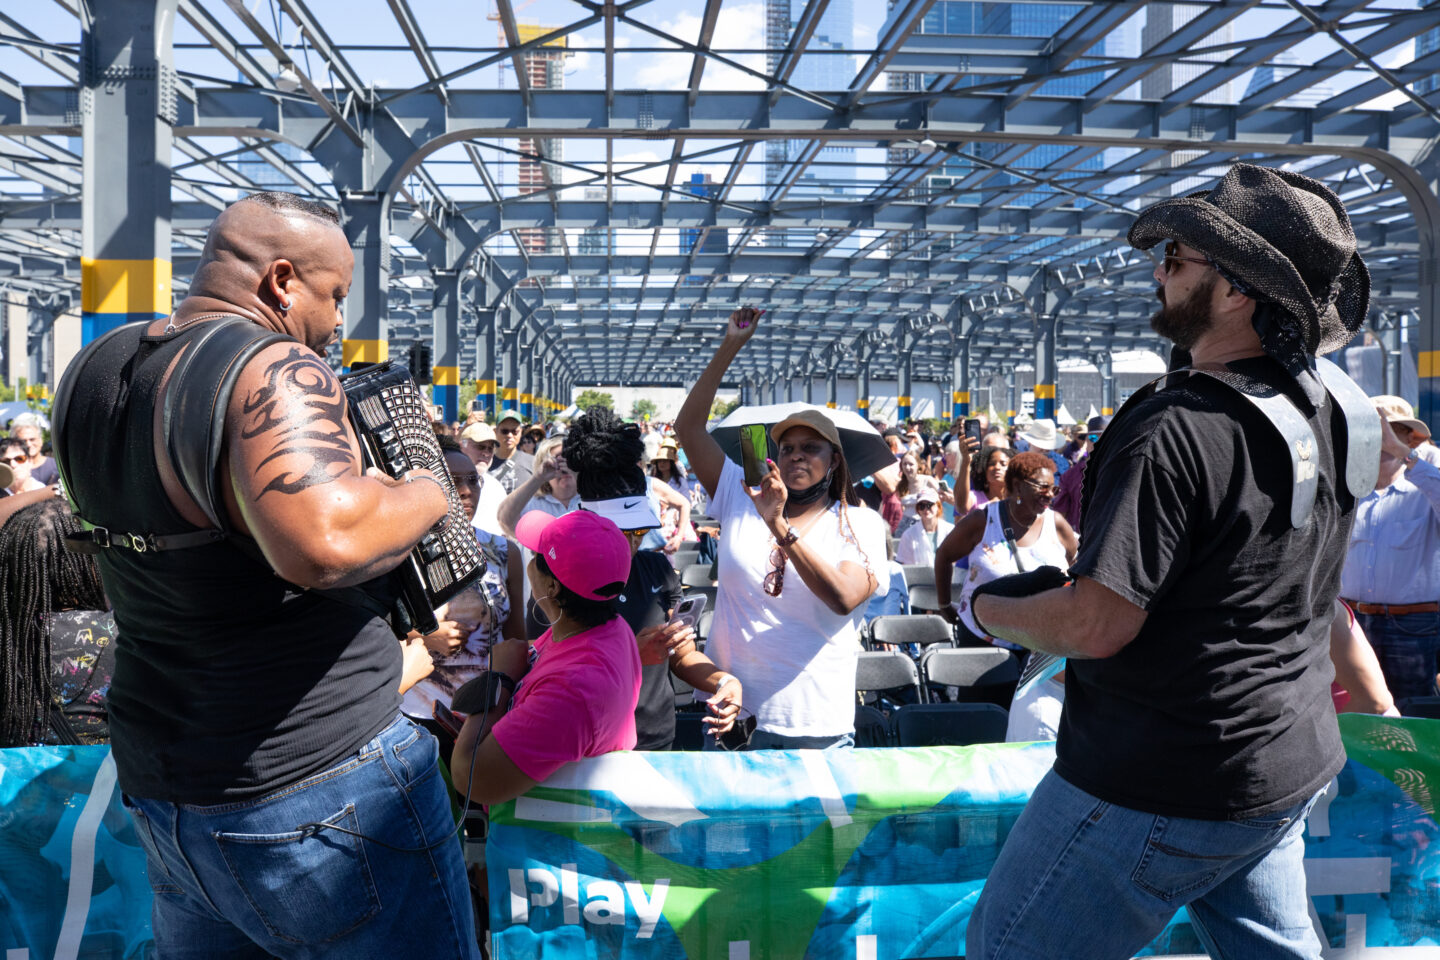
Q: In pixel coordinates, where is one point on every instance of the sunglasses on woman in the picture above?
(774, 581)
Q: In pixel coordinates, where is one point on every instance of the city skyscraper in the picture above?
(965, 18)
(818, 71)
(1268, 73)
(717, 240)
(1161, 21)
(545, 70)
(1427, 43)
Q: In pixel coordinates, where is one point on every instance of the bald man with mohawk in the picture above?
(287, 809)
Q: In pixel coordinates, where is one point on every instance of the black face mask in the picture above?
(810, 494)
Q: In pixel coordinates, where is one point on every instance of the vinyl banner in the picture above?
(72, 872)
(880, 854)
(864, 854)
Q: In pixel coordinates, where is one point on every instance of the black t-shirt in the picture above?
(1220, 708)
(653, 588)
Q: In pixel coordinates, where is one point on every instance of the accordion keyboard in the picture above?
(393, 421)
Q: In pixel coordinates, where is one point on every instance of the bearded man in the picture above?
(1197, 729)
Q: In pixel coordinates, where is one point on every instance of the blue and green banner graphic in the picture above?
(881, 854)
(865, 854)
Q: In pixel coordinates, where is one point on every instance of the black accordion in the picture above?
(393, 423)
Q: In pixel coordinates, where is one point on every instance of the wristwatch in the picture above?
(1411, 457)
(790, 537)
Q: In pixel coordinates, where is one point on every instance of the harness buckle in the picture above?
(102, 537)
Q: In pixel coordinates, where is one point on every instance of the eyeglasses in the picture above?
(20, 458)
(1171, 253)
(774, 581)
(925, 505)
(466, 479)
(1043, 490)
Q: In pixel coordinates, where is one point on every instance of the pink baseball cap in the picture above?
(586, 552)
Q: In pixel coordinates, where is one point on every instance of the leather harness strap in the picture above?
(193, 427)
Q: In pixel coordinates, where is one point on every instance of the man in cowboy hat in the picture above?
(1197, 727)
(1041, 435)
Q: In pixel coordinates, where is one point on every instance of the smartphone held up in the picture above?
(754, 449)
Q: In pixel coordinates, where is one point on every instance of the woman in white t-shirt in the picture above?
(798, 561)
(918, 543)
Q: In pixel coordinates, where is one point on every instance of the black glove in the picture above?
(1020, 585)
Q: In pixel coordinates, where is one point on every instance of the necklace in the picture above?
(813, 520)
(1010, 521)
(172, 326)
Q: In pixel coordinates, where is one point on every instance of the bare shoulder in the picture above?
(287, 422)
(973, 523)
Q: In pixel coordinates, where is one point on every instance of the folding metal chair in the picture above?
(949, 724)
(971, 674)
(696, 575)
(921, 629)
(886, 673)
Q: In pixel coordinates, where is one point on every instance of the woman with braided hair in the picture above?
(798, 563)
(605, 454)
(56, 655)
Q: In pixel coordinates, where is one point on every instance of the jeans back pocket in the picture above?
(305, 886)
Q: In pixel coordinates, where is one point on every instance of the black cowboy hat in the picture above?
(1285, 238)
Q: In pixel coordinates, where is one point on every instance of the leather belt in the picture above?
(1393, 609)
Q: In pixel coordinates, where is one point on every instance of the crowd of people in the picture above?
(1137, 547)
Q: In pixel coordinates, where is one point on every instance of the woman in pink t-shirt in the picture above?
(575, 696)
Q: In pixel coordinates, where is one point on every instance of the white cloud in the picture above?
(741, 26)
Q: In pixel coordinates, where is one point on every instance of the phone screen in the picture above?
(972, 429)
(753, 449)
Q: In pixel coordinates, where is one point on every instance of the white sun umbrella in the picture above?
(864, 449)
(1063, 417)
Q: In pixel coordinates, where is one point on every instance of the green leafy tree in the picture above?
(644, 409)
(721, 409)
(594, 398)
(469, 390)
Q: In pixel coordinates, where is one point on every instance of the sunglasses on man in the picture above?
(1172, 260)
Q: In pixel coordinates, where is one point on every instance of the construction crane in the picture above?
(500, 34)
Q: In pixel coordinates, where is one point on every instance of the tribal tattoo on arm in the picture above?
(299, 412)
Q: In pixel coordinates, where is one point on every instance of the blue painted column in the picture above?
(902, 402)
(1045, 369)
(960, 375)
(445, 320)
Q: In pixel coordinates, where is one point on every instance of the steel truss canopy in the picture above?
(583, 190)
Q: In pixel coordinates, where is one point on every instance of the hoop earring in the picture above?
(285, 307)
(536, 611)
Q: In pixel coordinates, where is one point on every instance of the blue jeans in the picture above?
(1408, 647)
(240, 880)
(1082, 878)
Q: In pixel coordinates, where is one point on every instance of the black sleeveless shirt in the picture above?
(229, 682)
